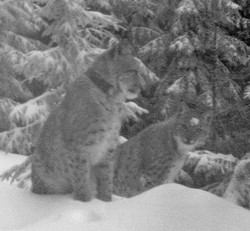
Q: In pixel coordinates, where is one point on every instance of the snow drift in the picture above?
(169, 207)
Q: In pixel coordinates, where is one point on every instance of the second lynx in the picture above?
(156, 154)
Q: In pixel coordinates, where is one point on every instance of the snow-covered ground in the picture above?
(169, 207)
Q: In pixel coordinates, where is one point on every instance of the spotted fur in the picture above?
(156, 154)
(75, 150)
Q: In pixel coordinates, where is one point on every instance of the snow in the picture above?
(186, 6)
(194, 121)
(247, 93)
(234, 5)
(8, 160)
(131, 110)
(176, 87)
(182, 43)
(30, 111)
(170, 207)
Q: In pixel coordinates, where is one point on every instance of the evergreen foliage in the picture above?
(47, 44)
(206, 168)
(190, 46)
(199, 49)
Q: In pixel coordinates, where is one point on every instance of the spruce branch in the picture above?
(13, 174)
(206, 168)
(155, 47)
(143, 35)
(131, 110)
(27, 120)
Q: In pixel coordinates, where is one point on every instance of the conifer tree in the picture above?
(202, 60)
(192, 50)
(70, 28)
(49, 44)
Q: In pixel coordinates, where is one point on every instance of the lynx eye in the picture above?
(184, 126)
(132, 72)
(199, 130)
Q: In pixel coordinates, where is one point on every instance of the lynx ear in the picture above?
(125, 48)
(209, 116)
(122, 48)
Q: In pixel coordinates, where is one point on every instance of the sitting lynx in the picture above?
(74, 151)
(156, 154)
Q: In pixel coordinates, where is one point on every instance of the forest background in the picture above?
(192, 52)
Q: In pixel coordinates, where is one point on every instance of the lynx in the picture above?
(155, 155)
(74, 153)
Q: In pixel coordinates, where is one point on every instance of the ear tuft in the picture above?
(125, 47)
(209, 116)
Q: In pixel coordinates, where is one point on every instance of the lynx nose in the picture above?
(134, 89)
(187, 140)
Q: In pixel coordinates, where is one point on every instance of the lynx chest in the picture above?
(106, 138)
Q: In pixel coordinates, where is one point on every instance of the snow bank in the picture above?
(169, 207)
(9, 160)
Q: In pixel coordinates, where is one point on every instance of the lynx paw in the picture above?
(83, 197)
(104, 197)
(145, 180)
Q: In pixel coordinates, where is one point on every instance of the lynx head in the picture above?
(119, 68)
(191, 129)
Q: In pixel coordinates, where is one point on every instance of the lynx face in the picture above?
(192, 130)
(129, 84)
(123, 70)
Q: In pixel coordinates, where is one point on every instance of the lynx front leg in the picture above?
(80, 170)
(176, 166)
(104, 180)
(38, 186)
